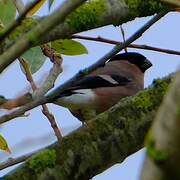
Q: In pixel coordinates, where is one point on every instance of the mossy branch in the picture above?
(99, 13)
(163, 144)
(33, 36)
(106, 140)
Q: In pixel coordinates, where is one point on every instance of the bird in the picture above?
(119, 77)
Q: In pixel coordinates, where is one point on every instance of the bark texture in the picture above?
(163, 140)
(106, 140)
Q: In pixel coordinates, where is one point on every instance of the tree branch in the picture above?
(54, 72)
(102, 13)
(13, 161)
(163, 141)
(45, 109)
(106, 140)
(34, 35)
(137, 46)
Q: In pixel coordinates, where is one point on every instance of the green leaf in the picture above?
(7, 11)
(50, 3)
(3, 144)
(69, 47)
(35, 58)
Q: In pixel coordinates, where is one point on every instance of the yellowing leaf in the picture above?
(36, 8)
(69, 47)
(4, 145)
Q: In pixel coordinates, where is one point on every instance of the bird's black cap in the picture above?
(135, 58)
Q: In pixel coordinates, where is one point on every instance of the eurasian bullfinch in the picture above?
(121, 76)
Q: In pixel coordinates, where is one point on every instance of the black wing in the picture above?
(92, 82)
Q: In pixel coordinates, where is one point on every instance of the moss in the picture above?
(23, 27)
(87, 16)
(42, 160)
(78, 160)
(20, 175)
(141, 7)
(143, 101)
(72, 157)
(148, 101)
(156, 154)
(20, 30)
(87, 153)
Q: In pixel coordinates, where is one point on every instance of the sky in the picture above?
(34, 132)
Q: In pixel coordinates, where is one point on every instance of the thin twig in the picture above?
(54, 72)
(123, 35)
(45, 109)
(52, 121)
(18, 20)
(11, 161)
(100, 62)
(14, 103)
(137, 46)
